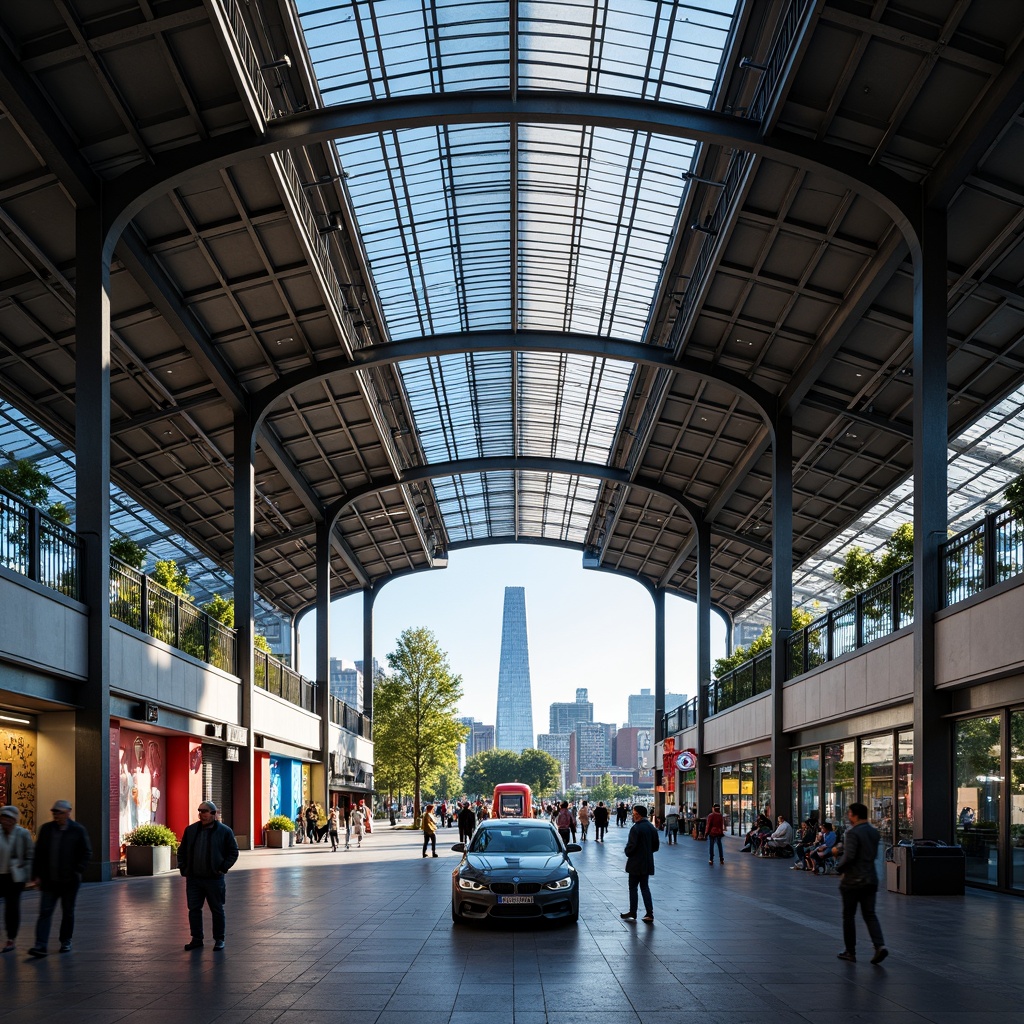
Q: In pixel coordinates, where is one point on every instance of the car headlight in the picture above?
(468, 883)
(559, 883)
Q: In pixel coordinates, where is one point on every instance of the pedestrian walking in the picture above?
(641, 845)
(62, 854)
(333, 824)
(208, 850)
(583, 816)
(714, 827)
(672, 824)
(600, 822)
(859, 883)
(467, 823)
(563, 821)
(356, 824)
(15, 867)
(429, 825)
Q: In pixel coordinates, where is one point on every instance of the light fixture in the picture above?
(697, 226)
(692, 176)
(280, 62)
(335, 222)
(15, 721)
(327, 179)
(746, 64)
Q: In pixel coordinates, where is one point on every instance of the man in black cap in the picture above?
(62, 854)
(208, 850)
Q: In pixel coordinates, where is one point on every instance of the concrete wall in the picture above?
(871, 678)
(41, 629)
(148, 668)
(55, 743)
(348, 744)
(981, 638)
(274, 716)
(749, 721)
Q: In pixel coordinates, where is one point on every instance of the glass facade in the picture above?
(513, 727)
(743, 789)
(1017, 800)
(876, 783)
(978, 789)
(839, 779)
(904, 785)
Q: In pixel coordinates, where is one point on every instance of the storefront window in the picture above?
(1017, 800)
(978, 796)
(809, 777)
(905, 786)
(687, 793)
(876, 783)
(748, 813)
(796, 815)
(764, 785)
(838, 770)
(730, 799)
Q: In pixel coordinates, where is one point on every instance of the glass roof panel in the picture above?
(648, 50)
(366, 50)
(477, 506)
(533, 227)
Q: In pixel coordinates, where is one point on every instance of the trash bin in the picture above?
(897, 869)
(936, 869)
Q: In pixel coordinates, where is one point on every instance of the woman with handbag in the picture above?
(16, 850)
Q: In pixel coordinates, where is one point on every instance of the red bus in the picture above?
(512, 800)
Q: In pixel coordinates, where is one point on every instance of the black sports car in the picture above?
(515, 868)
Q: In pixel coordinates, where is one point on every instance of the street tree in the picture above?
(415, 711)
(485, 770)
(604, 790)
(540, 771)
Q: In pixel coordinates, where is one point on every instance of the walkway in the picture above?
(365, 937)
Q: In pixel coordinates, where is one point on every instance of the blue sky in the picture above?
(586, 628)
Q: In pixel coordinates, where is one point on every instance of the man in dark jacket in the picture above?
(467, 823)
(600, 821)
(859, 883)
(641, 845)
(62, 854)
(208, 850)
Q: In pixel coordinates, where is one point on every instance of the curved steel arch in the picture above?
(510, 463)
(511, 341)
(125, 196)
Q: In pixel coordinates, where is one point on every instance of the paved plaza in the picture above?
(366, 937)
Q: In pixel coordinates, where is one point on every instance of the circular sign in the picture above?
(686, 761)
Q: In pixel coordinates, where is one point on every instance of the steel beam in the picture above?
(782, 609)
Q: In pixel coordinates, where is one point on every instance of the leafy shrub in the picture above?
(280, 823)
(151, 835)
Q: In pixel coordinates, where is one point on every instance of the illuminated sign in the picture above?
(686, 760)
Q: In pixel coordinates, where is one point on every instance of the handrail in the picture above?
(37, 546)
(347, 717)
(682, 717)
(274, 676)
(145, 605)
(981, 556)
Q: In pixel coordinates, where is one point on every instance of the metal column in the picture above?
(704, 775)
(92, 510)
(369, 596)
(782, 607)
(658, 596)
(323, 652)
(245, 823)
(932, 805)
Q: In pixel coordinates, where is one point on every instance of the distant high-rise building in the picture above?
(641, 706)
(377, 670)
(634, 748)
(479, 739)
(513, 727)
(346, 683)
(594, 742)
(557, 745)
(564, 717)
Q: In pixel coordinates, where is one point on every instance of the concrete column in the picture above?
(932, 795)
(245, 821)
(782, 607)
(323, 651)
(704, 774)
(92, 512)
(659, 692)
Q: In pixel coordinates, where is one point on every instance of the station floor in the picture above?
(365, 937)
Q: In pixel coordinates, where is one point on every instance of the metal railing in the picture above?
(748, 680)
(348, 718)
(38, 547)
(274, 676)
(982, 556)
(249, 59)
(682, 717)
(884, 608)
(774, 66)
(145, 605)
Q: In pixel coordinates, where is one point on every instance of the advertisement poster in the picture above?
(141, 758)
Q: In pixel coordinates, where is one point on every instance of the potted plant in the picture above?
(276, 828)
(148, 849)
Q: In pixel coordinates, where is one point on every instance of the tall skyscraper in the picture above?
(641, 706)
(513, 728)
(346, 683)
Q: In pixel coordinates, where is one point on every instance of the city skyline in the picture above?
(513, 719)
(587, 629)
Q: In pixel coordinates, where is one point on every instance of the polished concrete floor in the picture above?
(366, 937)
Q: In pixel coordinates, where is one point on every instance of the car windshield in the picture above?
(514, 840)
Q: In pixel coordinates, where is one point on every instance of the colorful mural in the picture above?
(18, 756)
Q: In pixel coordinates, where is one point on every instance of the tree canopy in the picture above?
(762, 642)
(861, 570)
(416, 728)
(537, 768)
(23, 478)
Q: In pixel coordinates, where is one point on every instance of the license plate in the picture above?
(515, 899)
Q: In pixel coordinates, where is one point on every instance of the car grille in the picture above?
(508, 888)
